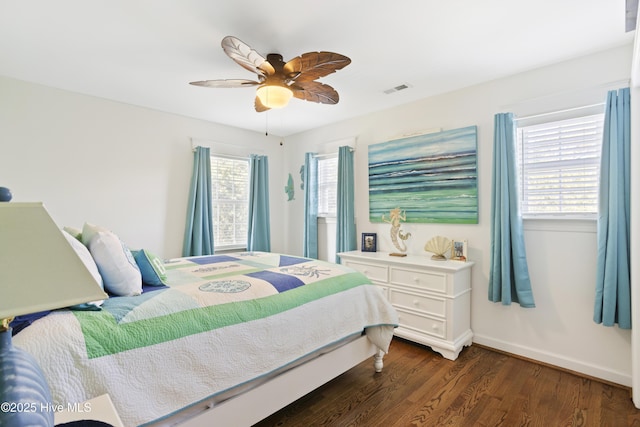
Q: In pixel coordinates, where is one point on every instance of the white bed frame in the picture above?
(258, 403)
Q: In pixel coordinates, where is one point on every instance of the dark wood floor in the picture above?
(481, 388)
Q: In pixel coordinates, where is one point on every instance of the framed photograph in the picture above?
(369, 242)
(459, 250)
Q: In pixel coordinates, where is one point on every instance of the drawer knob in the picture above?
(415, 279)
(416, 302)
(434, 327)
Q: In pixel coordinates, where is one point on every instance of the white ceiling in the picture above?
(144, 52)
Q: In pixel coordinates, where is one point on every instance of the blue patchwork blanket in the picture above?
(223, 320)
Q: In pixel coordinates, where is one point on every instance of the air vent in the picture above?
(397, 88)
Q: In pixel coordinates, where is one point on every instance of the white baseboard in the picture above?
(563, 362)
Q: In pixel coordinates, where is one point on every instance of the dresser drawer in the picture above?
(432, 281)
(429, 305)
(374, 272)
(422, 324)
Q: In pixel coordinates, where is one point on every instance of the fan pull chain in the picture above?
(266, 123)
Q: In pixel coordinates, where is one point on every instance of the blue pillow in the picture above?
(151, 267)
(21, 322)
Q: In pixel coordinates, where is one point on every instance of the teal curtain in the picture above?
(198, 235)
(259, 233)
(509, 274)
(613, 276)
(345, 216)
(310, 234)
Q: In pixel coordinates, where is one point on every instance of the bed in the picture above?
(224, 340)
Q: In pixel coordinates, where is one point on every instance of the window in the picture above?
(560, 166)
(230, 190)
(327, 186)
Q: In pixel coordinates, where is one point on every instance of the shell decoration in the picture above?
(439, 246)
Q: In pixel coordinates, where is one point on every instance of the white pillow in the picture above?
(116, 264)
(85, 256)
(88, 231)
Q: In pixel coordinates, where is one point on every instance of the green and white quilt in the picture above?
(224, 320)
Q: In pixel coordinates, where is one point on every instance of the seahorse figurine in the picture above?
(395, 216)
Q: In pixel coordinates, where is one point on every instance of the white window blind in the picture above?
(230, 191)
(327, 186)
(560, 166)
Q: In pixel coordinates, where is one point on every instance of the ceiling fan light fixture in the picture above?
(274, 96)
(279, 81)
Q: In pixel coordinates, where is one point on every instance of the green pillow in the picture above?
(75, 232)
(151, 267)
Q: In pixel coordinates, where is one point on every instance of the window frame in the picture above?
(333, 157)
(215, 213)
(537, 220)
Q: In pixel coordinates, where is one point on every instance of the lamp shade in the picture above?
(274, 96)
(39, 269)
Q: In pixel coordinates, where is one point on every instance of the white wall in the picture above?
(561, 257)
(123, 167)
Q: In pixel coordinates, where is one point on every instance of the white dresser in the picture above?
(432, 298)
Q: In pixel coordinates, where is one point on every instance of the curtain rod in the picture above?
(230, 156)
(560, 111)
(320, 156)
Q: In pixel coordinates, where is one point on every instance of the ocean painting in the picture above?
(431, 177)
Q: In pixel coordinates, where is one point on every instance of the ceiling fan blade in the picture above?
(315, 92)
(225, 83)
(313, 65)
(247, 57)
(259, 106)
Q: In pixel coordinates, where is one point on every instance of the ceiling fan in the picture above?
(278, 81)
